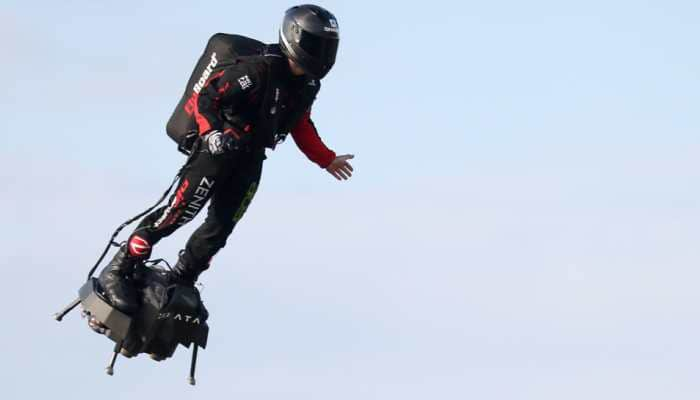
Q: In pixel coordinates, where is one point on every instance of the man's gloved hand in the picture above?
(218, 142)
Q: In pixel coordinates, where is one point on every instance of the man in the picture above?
(234, 108)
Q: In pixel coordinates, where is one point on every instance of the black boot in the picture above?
(184, 272)
(116, 282)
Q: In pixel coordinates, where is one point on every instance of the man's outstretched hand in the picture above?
(340, 168)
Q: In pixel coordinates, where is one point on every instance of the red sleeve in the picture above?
(307, 139)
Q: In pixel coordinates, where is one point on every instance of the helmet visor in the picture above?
(320, 48)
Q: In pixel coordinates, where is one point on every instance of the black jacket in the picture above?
(254, 97)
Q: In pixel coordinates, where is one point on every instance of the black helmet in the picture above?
(309, 36)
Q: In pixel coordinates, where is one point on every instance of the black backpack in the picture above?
(222, 50)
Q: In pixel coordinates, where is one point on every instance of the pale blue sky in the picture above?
(523, 223)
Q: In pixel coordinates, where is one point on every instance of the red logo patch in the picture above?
(138, 246)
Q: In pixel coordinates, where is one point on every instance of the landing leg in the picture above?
(59, 315)
(117, 349)
(194, 363)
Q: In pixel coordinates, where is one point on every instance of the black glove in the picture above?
(218, 142)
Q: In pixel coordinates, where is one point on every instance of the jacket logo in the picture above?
(273, 110)
(245, 82)
(205, 75)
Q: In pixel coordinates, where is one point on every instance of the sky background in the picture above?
(523, 222)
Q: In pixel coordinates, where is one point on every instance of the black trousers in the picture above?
(229, 181)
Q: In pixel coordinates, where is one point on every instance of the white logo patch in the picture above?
(333, 27)
(273, 110)
(245, 82)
